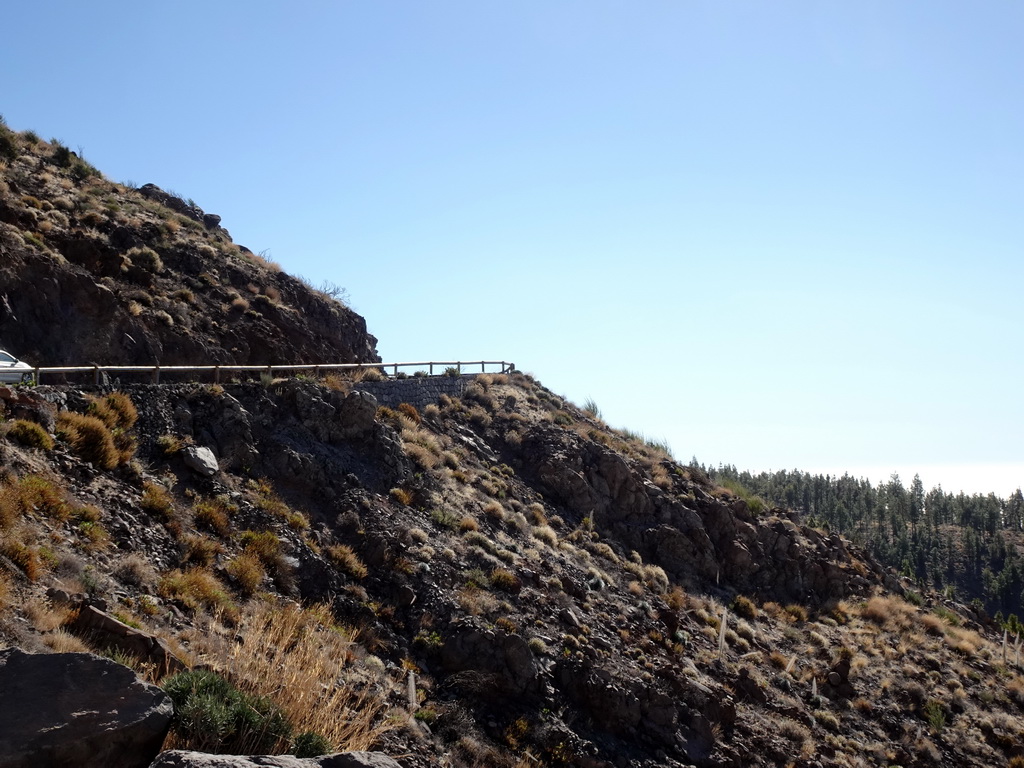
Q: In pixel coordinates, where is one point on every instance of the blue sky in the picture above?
(782, 235)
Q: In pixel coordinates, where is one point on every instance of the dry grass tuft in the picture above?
(889, 612)
(30, 434)
(90, 438)
(303, 662)
(197, 588)
(62, 641)
(347, 560)
(215, 514)
(31, 494)
(247, 572)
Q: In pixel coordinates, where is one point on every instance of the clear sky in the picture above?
(775, 235)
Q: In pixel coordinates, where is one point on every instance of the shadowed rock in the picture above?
(77, 709)
(184, 759)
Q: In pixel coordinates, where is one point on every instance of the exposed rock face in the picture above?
(185, 759)
(699, 537)
(77, 709)
(112, 633)
(167, 286)
(25, 404)
(506, 658)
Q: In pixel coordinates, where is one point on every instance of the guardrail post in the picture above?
(216, 374)
(156, 374)
(95, 375)
(37, 377)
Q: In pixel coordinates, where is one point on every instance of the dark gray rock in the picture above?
(77, 709)
(185, 759)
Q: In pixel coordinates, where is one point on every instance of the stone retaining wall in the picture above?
(417, 391)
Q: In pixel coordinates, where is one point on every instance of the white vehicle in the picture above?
(12, 369)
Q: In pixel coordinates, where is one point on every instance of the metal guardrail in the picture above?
(217, 370)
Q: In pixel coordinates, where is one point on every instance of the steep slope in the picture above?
(96, 272)
(560, 591)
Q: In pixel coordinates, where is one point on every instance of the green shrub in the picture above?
(310, 744)
(62, 156)
(8, 144)
(212, 715)
(30, 434)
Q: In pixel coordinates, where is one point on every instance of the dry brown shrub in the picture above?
(410, 411)
(468, 523)
(136, 570)
(197, 588)
(401, 496)
(62, 641)
(23, 555)
(337, 383)
(215, 514)
(933, 625)
(156, 500)
(46, 617)
(346, 558)
(476, 601)
(546, 534)
(421, 457)
(889, 612)
(29, 434)
(90, 438)
(31, 495)
(301, 660)
(246, 570)
(535, 514)
(495, 511)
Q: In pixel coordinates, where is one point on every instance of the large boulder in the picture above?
(179, 758)
(77, 709)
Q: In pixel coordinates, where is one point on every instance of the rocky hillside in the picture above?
(92, 271)
(553, 591)
(496, 578)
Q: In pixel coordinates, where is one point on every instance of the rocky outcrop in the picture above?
(108, 632)
(505, 658)
(186, 759)
(691, 534)
(164, 285)
(25, 404)
(77, 709)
